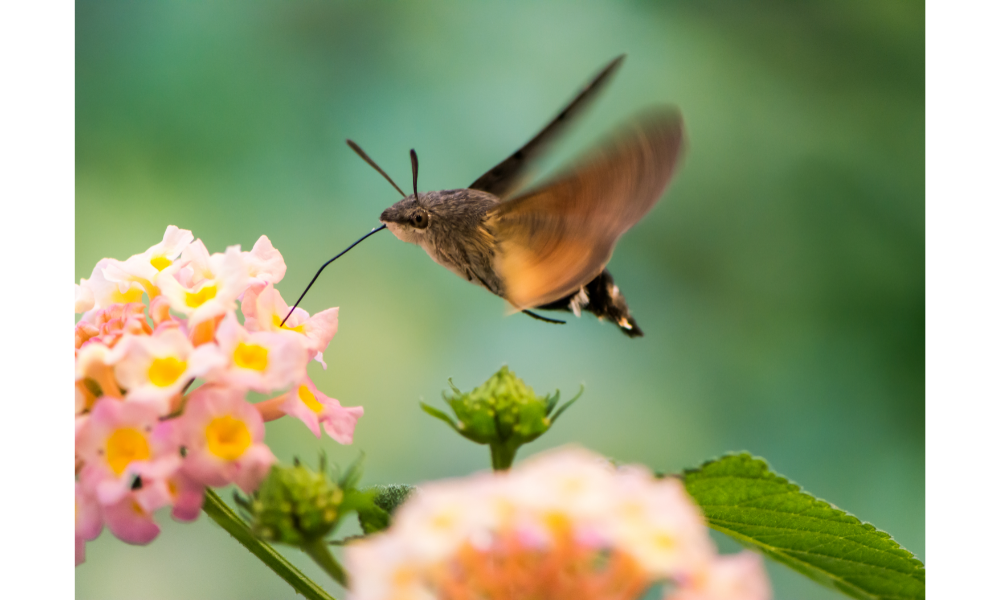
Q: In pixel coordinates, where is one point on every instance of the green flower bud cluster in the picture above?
(503, 412)
(297, 506)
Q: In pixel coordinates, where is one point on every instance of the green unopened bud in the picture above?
(504, 412)
(295, 505)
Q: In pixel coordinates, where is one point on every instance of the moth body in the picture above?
(547, 248)
(454, 228)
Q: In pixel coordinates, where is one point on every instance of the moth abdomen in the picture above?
(602, 298)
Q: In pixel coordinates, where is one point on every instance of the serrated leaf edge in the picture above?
(784, 553)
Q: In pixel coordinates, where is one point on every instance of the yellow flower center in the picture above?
(165, 371)
(160, 262)
(444, 520)
(276, 319)
(196, 299)
(310, 399)
(228, 438)
(558, 523)
(663, 541)
(124, 446)
(134, 294)
(250, 356)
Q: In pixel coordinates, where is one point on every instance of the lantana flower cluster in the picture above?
(562, 525)
(147, 436)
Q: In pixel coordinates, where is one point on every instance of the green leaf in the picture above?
(741, 497)
(440, 415)
(372, 519)
(567, 405)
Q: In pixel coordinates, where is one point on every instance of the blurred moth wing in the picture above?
(558, 238)
(504, 179)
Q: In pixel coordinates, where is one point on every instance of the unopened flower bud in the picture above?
(503, 412)
(295, 505)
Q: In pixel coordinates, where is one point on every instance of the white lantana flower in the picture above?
(203, 287)
(145, 268)
(155, 368)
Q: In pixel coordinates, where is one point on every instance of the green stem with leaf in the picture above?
(215, 508)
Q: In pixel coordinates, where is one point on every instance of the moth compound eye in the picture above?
(419, 220)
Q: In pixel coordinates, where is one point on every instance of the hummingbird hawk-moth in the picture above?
(547, 248)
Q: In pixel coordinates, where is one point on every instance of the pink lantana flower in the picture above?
(262, 361)
(88, 520)
(119, 443)
(119, 448)
(264, 264)
(224, 438)
(155, 368)
(109, 324)
(145, 268)
(100, 292)
(313, 408)
(203, 287)
(264, 311)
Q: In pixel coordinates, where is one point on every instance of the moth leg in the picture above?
(541, 318)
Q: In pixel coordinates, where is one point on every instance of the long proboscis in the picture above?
(316, 276)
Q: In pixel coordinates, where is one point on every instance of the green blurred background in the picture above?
(780, 281)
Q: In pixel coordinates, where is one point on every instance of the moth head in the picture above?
(407, 219)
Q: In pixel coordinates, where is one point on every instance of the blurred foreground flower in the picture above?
(504, 412)
(563, 525)
(144, 438)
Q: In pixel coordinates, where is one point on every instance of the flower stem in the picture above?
(502, 456)
(231, 522)
(319, 551)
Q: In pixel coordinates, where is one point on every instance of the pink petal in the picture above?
(130, 523)
(206, 470)
(295, 407)
(188, 499)
(341, 422)
(84, 302)
(253, 467)
(265, 262)
(88, 515)
(321, 328)
(112, 490)
(80, 554)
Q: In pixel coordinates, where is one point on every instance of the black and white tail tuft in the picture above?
(602, 298)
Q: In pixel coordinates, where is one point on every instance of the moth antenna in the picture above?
(415, 166)
(316, 276)
(372, 164)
